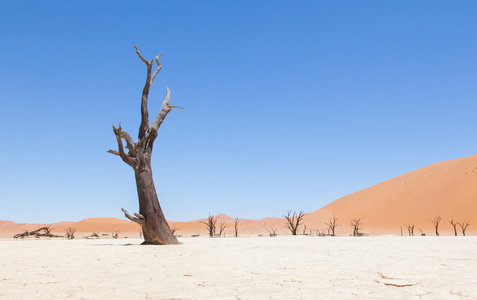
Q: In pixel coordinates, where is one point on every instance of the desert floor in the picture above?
(283, 267)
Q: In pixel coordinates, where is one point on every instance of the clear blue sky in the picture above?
(288, 104)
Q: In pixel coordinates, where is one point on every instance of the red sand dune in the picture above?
(447, 189)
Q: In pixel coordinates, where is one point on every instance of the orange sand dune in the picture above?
(447, 189)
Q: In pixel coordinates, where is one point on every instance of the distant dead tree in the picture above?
(272, 231)
(464, 226)
(237, 221)
(304, 230)
(422, 232)
(436, 222)
(174, 229)
(155, 228)
(410, 229)
(210, 225)
(293, 220)
(454, 224)
(44, 231)
(70, 233)
(332, 224)
(222, 227)
(356, 223)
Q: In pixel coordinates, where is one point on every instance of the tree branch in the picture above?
(129, 143)
(165, 109)
(145, 94)
(140, 56)
(138, 219)
(159, 67)
(125, 157)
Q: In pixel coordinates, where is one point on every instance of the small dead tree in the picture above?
(454, 224)
(293, 220)
(155, 228)
(356, 223)
(174, 229)
(464, 226)
(237, 221)
(40, 232)
(422, 232)
(304, 229)
(332, 224)
(410, 229)
(210, 225)
(272, 231)
(70, 233)
(436, 222)
(222, 227)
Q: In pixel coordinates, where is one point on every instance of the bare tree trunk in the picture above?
(150, 218)
(464, 226)
(436, 222)
(237, 221)
(210, 224)
(454, 224)
(332, 225)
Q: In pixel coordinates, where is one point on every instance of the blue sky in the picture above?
(288, 104)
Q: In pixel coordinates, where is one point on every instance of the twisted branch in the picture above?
(119, 136)
(138, 218)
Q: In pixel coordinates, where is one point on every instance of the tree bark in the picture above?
(155, 228)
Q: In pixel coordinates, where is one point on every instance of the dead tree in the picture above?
(454, 224)
(356, 223)
(174, 229)
(333, 223)
(293, 221)
(464, 226)
(237, 221)
(70, 233)
(410, 229)
(40, 232)
(210, 225)
(422, 232)
(436, 224)
(222, 227)
(272, 231)
(150, 217)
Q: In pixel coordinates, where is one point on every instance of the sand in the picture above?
(283, 267)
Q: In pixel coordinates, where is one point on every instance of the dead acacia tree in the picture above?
(237, 221)
(410, 229)
(174, 229)
(70, 233)
(332, 224)
(40, 232)
(210, 225)
(272, 231)
(356, 223)
(150, 217)
(464, 226)
(436, 222)
(454, 224)
(293, 220)
(222, 227)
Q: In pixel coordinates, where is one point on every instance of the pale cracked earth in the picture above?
(283, 267)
